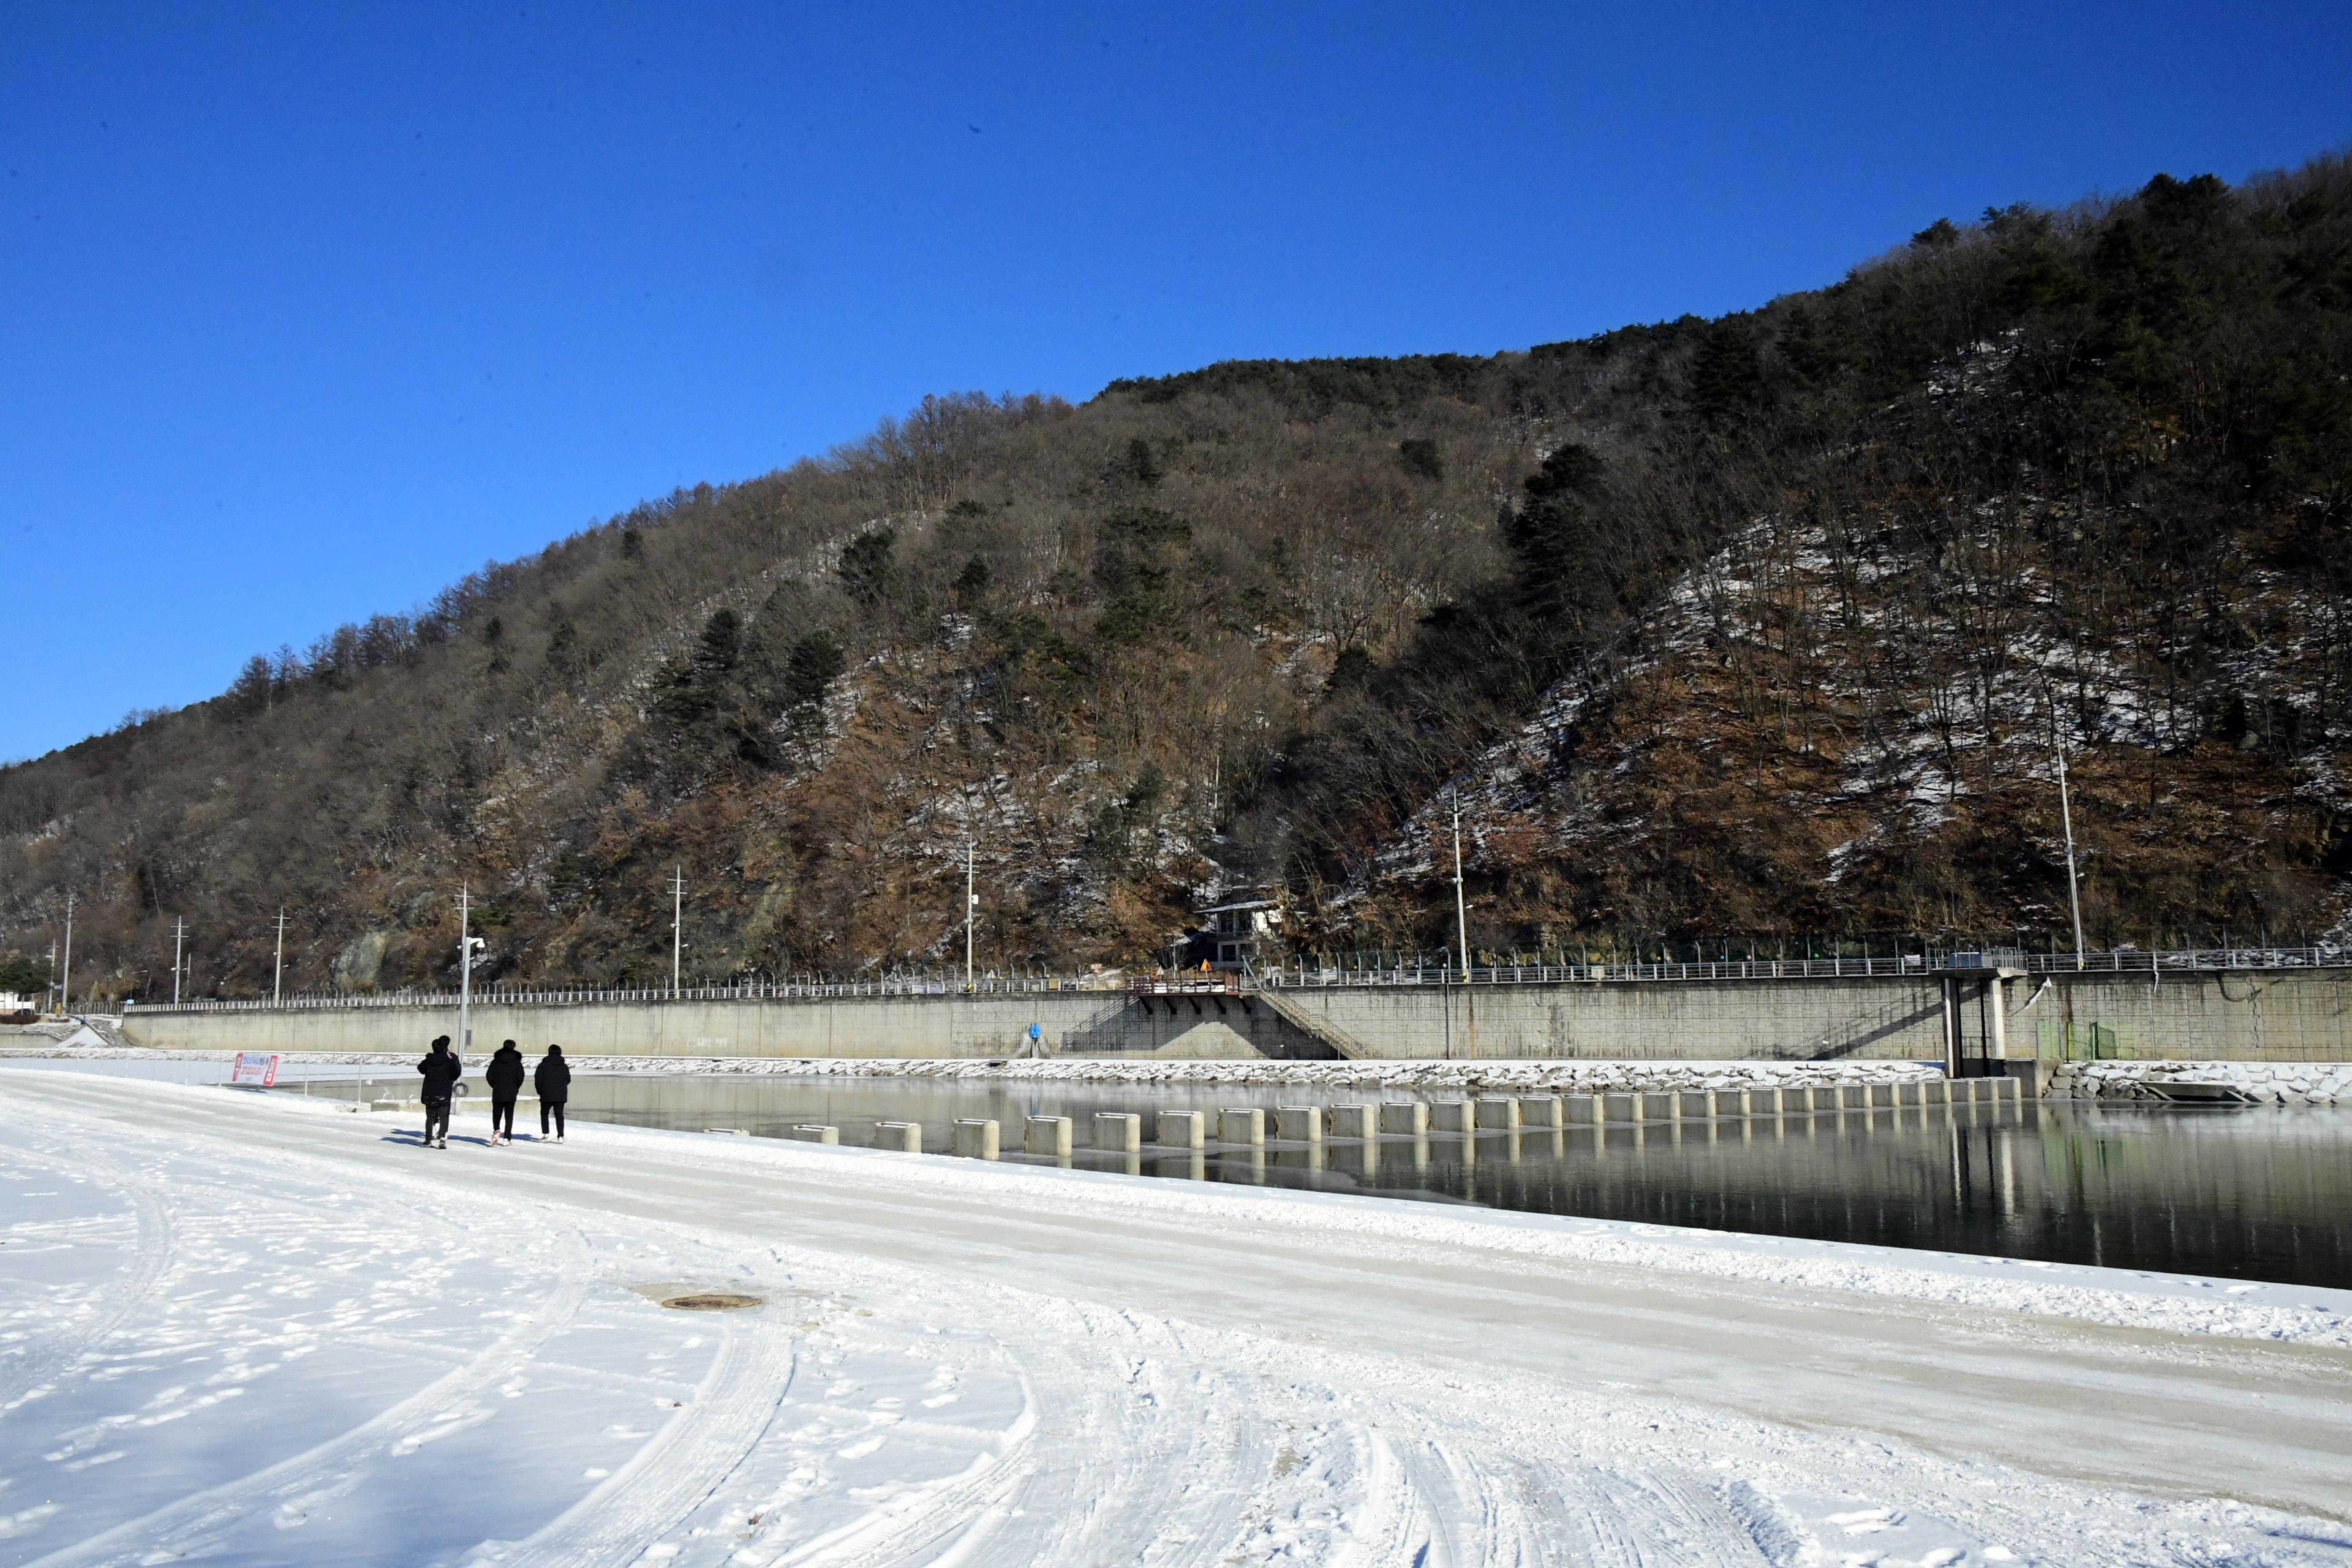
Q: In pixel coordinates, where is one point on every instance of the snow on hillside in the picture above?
(1890, 686)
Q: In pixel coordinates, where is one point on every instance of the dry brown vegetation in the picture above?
(1761, 625)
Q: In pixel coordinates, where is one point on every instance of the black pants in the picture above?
(548, 1108)
(437, 1115)
(501, 1116)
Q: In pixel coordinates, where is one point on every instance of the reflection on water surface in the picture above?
(2247, 1192)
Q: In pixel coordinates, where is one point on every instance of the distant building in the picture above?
(1238, 934)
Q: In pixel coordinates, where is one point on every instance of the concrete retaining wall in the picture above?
(2249, 1016)
(2243, 1015)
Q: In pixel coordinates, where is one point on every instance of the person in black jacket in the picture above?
(552, 1080)
(504, 1076)
(442, 1068)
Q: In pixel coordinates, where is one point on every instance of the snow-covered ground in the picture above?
(254, 1329)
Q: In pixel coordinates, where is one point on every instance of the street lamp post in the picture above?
(465, 945)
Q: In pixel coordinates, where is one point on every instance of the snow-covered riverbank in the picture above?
(1575, 1076)
(262, 1331)
(2270, 1083)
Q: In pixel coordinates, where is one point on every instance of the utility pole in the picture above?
(970, 902)
(56, 1005)
(1461, 905)
(465, 970)
(676, 925)
(2066, 816)
(277, 976)
(179, 935)
(65, 984)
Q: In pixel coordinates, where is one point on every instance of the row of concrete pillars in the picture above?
(1244, 1127)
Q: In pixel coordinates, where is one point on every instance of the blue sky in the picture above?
(307, 311)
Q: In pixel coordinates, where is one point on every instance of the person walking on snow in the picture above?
(504, 1076)
(441, 1068)
(552, 1080)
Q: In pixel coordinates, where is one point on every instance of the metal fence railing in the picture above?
(537, 997)
(1929, 961)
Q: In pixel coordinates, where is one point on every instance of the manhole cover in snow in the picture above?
(712, 1301)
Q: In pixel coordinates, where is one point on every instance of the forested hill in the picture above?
(1765, 624)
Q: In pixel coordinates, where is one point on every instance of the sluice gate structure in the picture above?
(1977, 1014)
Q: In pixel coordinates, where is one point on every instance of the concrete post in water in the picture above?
(1499, 1112)
(1182, 1129)
(1300, 1123)
(1355, 1120)
(904, 1137)
(1853, 1097)
(1241, 1126)
(1581, 1109)
(1454, 1116)
(816, 1134)
(1410, 1116)
(975, 1138)
(1119, 1132)
(1661, 1107)
(1882, 1094)
(1950, 991)
(1620, 1108)
(1697, 1104)
(1046, 1135)
(1764, 1101)
(1909, 1094)
(1540, 1110)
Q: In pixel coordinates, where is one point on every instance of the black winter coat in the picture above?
(552, 1079)
(441, 1072)
(504, 1075)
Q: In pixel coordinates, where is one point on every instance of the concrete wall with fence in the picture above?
(2245, 1015)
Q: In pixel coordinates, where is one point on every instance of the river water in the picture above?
(2252, 1193)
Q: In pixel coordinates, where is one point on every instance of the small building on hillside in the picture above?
(1241, 934)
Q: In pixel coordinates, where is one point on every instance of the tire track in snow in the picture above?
(1660, 1519)
(1079, 1476)
(70, 1343)
(1153, 1456)
(694, 1455)
(195, 1524)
